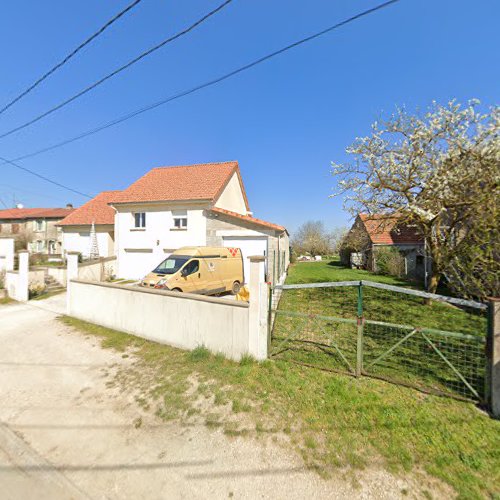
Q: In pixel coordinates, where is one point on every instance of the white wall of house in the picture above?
(77, 239)
(141, 249)
(232, 197)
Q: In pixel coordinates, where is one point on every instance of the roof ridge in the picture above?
(196, 164)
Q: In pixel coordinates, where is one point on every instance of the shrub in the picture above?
(199, 353)
(35, 289)
(389, 261)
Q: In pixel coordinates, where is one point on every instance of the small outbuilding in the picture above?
(77, 227)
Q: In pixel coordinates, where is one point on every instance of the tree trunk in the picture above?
(433, 283)
(432, 286)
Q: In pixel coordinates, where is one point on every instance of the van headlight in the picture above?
(162, 283)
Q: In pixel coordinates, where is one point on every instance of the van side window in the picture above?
(192, 267)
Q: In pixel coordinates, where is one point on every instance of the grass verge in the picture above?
(6, 300)
(333, 421)
(47, 295)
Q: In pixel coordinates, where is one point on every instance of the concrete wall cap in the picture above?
(177, 295)
(23, 251)
(257, 258)
(72, 253)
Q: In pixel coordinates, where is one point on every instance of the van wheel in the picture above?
(176, 290)
(236, 288)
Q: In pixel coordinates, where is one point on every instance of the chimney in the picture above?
(69, 205)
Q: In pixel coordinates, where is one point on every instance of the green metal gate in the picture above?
(413, 338)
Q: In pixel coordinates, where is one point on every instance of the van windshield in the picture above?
(172, 264)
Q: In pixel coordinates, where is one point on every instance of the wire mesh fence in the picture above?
(431, 342)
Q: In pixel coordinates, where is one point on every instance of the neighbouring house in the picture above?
(371, 234)
(191, 205)
(76, 227)
(35, 229)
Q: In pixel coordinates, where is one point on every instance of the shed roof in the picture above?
(388, 230)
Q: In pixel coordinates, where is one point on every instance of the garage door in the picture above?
(135, 264)
(249, 246)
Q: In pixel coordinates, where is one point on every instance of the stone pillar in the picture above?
(258, 318)
(6, 254)
(493, 354)
(71, 274)
(22, 291)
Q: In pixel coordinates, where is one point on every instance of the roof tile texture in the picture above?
(248, 218)
(204, 181)
(96, 210)
(35, 213)
(385, 230)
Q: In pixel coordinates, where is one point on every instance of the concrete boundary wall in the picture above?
(181, 320)
(58, 273)
(97, 270)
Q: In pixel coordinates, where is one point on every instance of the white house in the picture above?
(191, 205)
(76, 227)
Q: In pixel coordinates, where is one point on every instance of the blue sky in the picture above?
(284, 121)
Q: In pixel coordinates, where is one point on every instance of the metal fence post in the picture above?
(360, 322)
(274, 267)
(269, 319)
(493, 357)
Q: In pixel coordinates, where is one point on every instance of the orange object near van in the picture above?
(203, 270)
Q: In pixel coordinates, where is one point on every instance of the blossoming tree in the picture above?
(440, 172)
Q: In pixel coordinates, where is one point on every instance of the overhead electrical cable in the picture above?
(70, 55)
(47, 179)
(149, 107)
(116, 71)
(197, 88)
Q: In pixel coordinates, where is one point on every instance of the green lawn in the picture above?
(314, 321)
(331, 270)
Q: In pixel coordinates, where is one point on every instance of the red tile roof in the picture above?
(204, 181)
(248, 218)
(35, 213)
(96, 210)
(386, 230)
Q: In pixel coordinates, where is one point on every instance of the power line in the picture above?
(10, 162)
(132, 114)
(17, 189)
(192, 90)
(70, 55)
(117, 71)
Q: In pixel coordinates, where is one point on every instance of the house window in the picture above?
(140, 220)
(38, 225)
(180, 219)
(39, 246)
(15, 228)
